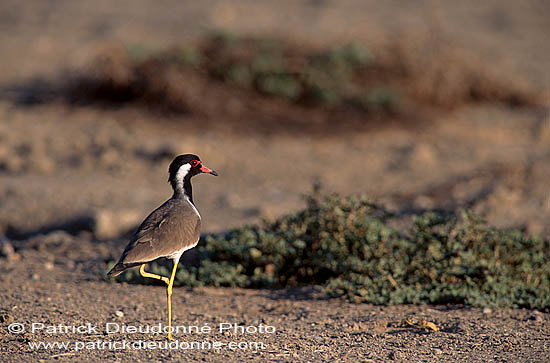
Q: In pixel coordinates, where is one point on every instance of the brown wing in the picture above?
(172, 227)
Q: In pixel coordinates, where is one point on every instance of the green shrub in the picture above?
(274, 68)
(348, 245)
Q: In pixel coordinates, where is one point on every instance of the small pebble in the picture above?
(487, 310)
(396, 355)
(119, 313)
(438, 351)
(535, 317)
(6, 248)
(5, 317)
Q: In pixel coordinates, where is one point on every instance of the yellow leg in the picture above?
(153, 276)
(169, 292)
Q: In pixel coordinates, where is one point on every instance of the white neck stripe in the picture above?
(180, 175)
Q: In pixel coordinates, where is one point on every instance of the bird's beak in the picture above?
(204, 169)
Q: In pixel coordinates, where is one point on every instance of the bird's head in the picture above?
(183, 167)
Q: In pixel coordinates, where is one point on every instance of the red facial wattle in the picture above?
(202, 168)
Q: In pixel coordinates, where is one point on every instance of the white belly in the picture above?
(177, 255)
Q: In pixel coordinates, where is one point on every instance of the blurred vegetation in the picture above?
(348, 244)
(275, 68)
(245, 78)
(268, 66)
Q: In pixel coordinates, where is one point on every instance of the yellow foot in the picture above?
(170, 338)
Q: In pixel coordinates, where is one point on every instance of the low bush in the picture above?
(343, 77)
(348, 245)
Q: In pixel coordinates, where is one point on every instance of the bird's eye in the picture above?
(194, 163)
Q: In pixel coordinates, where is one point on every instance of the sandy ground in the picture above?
(62, 285)
(60, 165)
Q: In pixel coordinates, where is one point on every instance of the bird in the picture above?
(169, 230)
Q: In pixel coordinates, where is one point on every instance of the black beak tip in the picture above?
(214, 173)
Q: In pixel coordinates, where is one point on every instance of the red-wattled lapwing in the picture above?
(169, 230)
